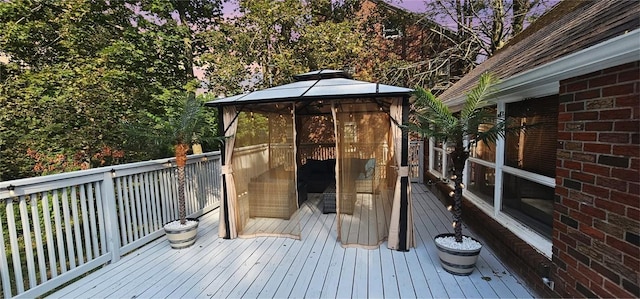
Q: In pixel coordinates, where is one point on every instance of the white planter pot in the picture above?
(181, 236)
(457, 261)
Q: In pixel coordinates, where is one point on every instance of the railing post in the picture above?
(111, 216)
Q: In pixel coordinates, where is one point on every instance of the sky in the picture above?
(410, 5)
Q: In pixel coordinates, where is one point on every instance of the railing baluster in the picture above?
(59, 236)
(28, 245)
(92, 218)
(4, 265)
(46, 218)
(148, 220)
(125, 235)
(133, 208)
(157, 213)
(102, 223)
(188, 190)
(172, 198)
(68, 228)
(76, 225)
(15, 249)
(139, 211)
(85, 223)
(127, 210)
(163, 195)
(37, 232)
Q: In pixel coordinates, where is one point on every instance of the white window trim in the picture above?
(531, 176)
(533, 238)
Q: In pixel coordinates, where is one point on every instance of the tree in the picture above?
(78, 70)
(460, 131)
(474, 30)
(268, 42)
(73, 71)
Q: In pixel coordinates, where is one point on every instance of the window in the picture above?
(440, 163)
(530, 163)
(529, 202)
(482, 181)
(514, 179)
(390, 30)
(535, 150)
(350, 132)
(482, 158)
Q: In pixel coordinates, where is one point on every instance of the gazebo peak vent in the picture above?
(321, 74)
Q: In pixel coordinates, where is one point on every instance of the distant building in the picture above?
(401, 38)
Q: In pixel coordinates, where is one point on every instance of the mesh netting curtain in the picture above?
(264, 172)
(363, 206)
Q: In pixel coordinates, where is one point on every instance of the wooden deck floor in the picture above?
(314, 267)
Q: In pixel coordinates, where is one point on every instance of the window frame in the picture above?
(541, 243)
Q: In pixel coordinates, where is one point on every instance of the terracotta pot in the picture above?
(182, 236)
(457, 261)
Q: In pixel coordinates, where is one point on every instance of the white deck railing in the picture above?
(59, 227)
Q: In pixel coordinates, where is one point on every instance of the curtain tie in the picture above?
(403, 171)
(227, 169)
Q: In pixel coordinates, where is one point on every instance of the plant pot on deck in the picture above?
(457, 258)
(181, 236)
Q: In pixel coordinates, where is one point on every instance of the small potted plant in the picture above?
(458, 254)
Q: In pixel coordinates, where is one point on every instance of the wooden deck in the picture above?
(314, 267)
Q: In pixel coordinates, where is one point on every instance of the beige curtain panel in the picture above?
(401, 218)
(227, 227)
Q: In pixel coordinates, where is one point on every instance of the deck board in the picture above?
(314, 267)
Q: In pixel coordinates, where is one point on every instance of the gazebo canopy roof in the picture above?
(315, 85)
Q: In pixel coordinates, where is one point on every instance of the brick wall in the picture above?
(596, 229)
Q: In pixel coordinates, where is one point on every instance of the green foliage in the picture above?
(186, 124)
(434, 119)
(270, 41)
(74, 72)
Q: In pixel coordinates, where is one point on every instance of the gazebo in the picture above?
(324, 141)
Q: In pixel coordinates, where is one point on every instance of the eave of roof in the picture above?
(565, 47)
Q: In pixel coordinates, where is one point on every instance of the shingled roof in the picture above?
(569, 28)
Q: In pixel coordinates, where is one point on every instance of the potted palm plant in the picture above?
(459, 131)
(180, 130)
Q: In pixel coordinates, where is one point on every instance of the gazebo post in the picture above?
(225, 200)
(404, 181)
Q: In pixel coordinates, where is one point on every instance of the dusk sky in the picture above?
(412, 5)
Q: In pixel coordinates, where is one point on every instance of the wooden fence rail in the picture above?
(59, 227)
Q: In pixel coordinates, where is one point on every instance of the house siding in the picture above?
(596, 220)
